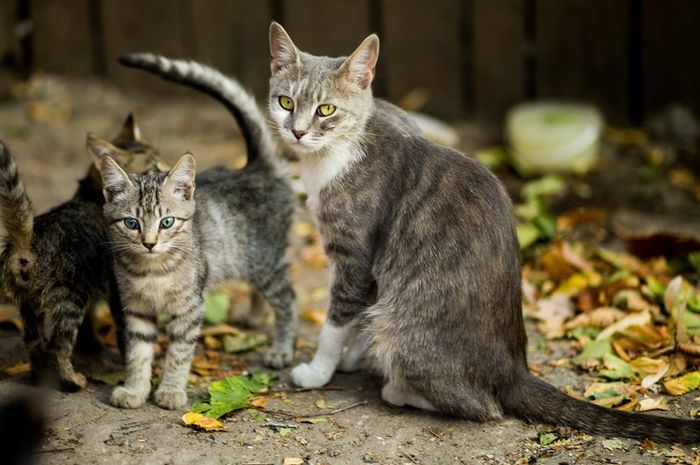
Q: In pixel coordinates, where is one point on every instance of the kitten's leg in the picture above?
(63, 318)
(117, 310)
(87, 341)
(142, 333)
(331, 343)
(354, 354)
(32, 341)
(184, 331)
(398, 394)
(278, 291)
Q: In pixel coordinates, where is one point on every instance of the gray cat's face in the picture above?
(149, 215)
(317, 102)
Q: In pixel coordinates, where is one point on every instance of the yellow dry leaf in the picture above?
(601, 317)
(303, 229)
(633, 319)
(683, 384)
(654, 378)
(647, 366)
(321, 403)
(259, 401)
(212, 343)
(314, 315)
(10, 314)
(18, 369)
(198, 420)
(220, 329)
(651, 403)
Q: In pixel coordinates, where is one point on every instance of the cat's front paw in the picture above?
(278, 358)
(170, 398)
(123, 397)
(307, 375)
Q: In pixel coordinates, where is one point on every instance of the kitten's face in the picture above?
(318, 102)
(149, 215)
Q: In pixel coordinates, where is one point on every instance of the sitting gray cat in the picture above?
(169, 252)
(425, 256)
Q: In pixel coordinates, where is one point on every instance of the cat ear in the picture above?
(115, 182)
(283, 52)
(180, 179)
(130, 130)
(99, 148)
(360, 66)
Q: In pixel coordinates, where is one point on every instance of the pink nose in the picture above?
(298, 134)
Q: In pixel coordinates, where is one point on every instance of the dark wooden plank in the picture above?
(159, 26)
(583, 53)
(498, 42)
(232, 36)
(322, 27)
(62, 36)
(670, 41)
(421, 50)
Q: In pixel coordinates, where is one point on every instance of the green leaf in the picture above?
(547, 438)
(232, 393)
(694, 260)
(284, 431)
(616, 368)
(594, 350)
(546, 225)
(547, 185)
(527, 234)
(583, 331)
(216, 305)
(111, 379)
(315, 420)
(243, 342)
(492, 157)
(655, 287)
(607, 394)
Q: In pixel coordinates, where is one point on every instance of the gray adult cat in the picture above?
(426, 261)
(168, 252)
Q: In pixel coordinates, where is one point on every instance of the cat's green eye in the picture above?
(167, 222)
(131, 223)
(286, 103)
(325, 110)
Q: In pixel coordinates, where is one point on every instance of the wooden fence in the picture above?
(471, 57)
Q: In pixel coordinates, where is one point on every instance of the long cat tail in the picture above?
(228, 91)
(536, 401)
(17, 217)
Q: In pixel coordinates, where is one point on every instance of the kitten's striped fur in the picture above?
(239, 229)
(57, 266)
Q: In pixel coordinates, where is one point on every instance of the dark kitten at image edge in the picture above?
(421, 239)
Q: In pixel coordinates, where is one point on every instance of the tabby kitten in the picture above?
(169, 252)
(425, 257)
(56, 266)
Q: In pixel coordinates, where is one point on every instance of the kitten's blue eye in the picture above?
(131, 223)
(167, 222)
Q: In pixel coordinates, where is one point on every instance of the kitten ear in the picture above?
(360, 66)
(283, 52)
(115, 182)
(180, 179)
(99, 148)
(130, 130)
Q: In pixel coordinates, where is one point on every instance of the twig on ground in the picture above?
(59, 449)
(312, 415)
(407, 455)
(295, 390)
(278, 425)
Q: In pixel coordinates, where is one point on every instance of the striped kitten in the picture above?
(169, 252)
(426, 259)
(56, 266)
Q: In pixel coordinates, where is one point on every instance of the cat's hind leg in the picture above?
(356, 351)
(184, 331)
(278, 291)
(399, 394)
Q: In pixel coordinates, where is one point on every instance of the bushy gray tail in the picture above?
(535, 400)
(17, 217)
(229, 92)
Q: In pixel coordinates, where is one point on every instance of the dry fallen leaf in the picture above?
(18, 369)
(683, 384)
(200, 421)
(315, 315)
(259, 401)
(292, 461)
(220, 329)
(632, 319)
(601, 317)
(552, 313)
(651, 403)
(314, 256)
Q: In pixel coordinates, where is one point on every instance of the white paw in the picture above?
(128, 398)
(172, 399)
(307, 375)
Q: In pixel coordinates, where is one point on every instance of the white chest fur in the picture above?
(320, 170)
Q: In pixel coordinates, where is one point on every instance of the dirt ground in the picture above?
(46, 132)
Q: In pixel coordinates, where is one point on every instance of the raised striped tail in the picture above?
(17, 217)
(228, 91)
